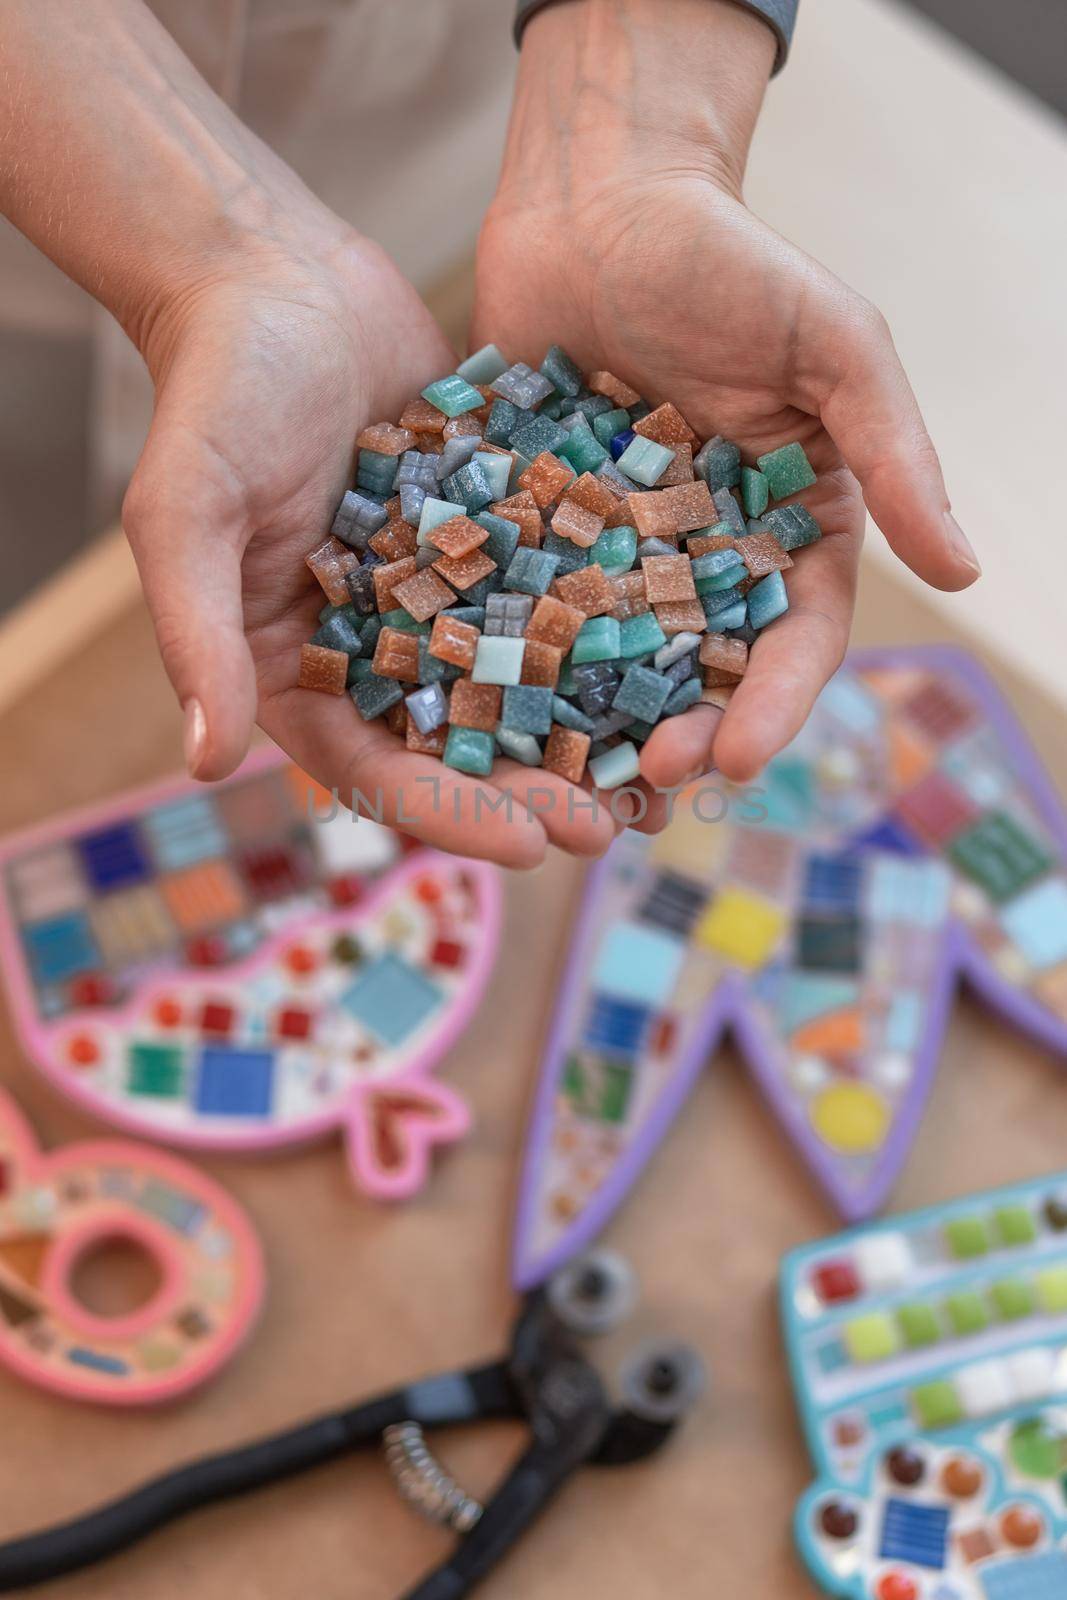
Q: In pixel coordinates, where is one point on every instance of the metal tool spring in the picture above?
(423, 1482)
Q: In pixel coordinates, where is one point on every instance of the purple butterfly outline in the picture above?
(729, 1009)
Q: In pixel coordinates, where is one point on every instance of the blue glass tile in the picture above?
(1041, 1577)
(831, 1357)
(111, 1365)
(888, 835)
(391, 998)
(61, 948)
(115, 856)
(621, 443)
(832, 883)
(1036, 921)
(172, 1207)
(615, 1026)
(235, 1083)
(639, 963)
(184, 833)
(915, 1533)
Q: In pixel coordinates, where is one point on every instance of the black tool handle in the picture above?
(453, 1397)
(522, 1496)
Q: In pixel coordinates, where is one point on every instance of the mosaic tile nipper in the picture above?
(546, 1380)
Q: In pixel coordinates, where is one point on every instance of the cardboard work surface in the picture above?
(361, 1297)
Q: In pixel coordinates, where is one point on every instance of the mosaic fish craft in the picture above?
(907, 838)
(233, 967)
(56, 1208)
(929, 1359)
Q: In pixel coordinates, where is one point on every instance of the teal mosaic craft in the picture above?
(502, 483)
(929, 1360)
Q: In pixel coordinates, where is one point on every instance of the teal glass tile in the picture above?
(503, 540)
(518, 746)
(598, 640)
(453, 395)
(615, 550)
(484, 366)
(562, 373)
(469, 750)
(609, 423)
(644, 460)
(391, 998)
(527, 708)
(373, 696)
(643, 694)
(1036, 921)
(582, 449)
(619, 765)
(767, 600)
(640, 635)
(719, 464)
(531, 571)
(755, 492)
(498, 659)
(787, 470)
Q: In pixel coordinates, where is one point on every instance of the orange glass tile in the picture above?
(387, 576)
(546, 478)
(589, 590)
(592, 494)
(620, 394)
(566, 751)
(423, 595)
(396, 655)
(467, 570)
(541, 663)
(395, 541)
(458, 537)
(475, 705)
(555, 622)
(421, 417)
(666, 425)
(330, 562)
(668, 578)
(840, 1033)
(386, 439)
(454, 641)
(573, 521)
(323, 670)
(203, 896)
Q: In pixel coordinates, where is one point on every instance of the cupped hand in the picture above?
(625, 240)
(265, 373)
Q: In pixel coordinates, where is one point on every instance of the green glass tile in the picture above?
(609, 423)
(453, 395)
(755, 492)
(871, 1338)
(469, 750)
(999, 855)
(598, 640)
(404, 622)
(1015, 1224)
(967, 1312)
(1013, 1298)
(155, 1069)
(598, 1088)
(639, 635)
(787, 470)
(967, 1237)
(615, 550)
(1051, 1286)
(582, 449)
(918, 1324)
(937, 1405)
(719, 463)
(1037, 1448)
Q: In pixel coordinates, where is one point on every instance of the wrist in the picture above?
(624, 87)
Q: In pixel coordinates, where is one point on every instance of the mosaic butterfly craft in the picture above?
(907, 837)
(929, 1358)
(231, 967)
(57, 1208)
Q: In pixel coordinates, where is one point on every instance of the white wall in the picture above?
(934, 185)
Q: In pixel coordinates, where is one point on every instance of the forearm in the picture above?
(120, 163)
(636, 83)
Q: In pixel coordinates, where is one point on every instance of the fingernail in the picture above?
(960, 542)
(195, 738)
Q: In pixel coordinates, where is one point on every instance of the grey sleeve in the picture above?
(779, 15)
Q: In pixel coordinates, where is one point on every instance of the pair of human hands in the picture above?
(617, 231)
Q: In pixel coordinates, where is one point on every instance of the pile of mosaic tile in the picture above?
(541, 565)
